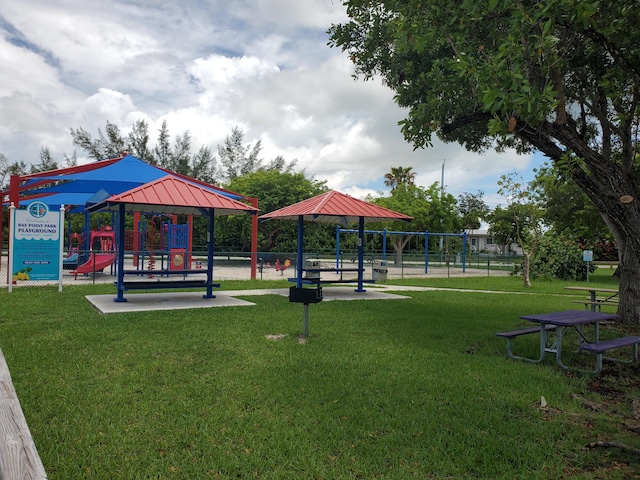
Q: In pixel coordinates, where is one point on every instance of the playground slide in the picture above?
(95, 263)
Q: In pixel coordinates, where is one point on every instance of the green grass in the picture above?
(415, 388)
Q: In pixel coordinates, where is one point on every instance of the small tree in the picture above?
(473, 209)
(526, 229)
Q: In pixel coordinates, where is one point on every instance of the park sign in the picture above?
(36, 247)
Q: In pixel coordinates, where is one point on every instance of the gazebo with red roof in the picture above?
(334, 207)
(170, 195)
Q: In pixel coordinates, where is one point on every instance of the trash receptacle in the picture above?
(312, 264)
(380, 271)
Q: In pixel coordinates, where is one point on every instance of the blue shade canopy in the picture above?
(98, 182)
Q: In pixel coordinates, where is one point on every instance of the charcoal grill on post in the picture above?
(305, 296)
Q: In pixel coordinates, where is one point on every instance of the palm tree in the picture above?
(399, 176)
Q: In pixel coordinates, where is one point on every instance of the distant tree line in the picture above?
(555, 212)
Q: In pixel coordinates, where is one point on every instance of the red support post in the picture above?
(254, 239)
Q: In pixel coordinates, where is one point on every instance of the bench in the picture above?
(513, 334)
(598, 304)
(168, 284)
(142, 272)
(611, 264)
(605, 345)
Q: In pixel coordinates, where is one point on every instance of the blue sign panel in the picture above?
(36, 248)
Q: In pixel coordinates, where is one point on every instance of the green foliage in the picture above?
(472, 209)
(430, 208)
(560, 77)
(559, 258)
(275, 190)
(521, 221)
(399, 175)
(568, 210)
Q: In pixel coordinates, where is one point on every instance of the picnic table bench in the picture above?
(170, 284)
(165, 281)
(607, 297)
(317, 280)
(604, 346)
(560, 322)
(513, 334)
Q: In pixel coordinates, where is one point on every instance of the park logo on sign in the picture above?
(38, 209)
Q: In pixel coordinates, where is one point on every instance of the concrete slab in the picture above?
(140, 302)
(349, 293)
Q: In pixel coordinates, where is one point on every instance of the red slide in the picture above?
(96, 263)
(103, 240)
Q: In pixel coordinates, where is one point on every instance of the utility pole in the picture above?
(441, 197)
(442, 181)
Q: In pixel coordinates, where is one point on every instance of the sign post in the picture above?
(587, 256)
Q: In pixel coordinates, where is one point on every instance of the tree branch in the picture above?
(474, 117)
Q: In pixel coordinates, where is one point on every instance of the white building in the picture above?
(479, 241)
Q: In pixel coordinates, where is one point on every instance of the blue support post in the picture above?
(338, 247)
(361, 256)
(384, 244)
(464, 251)
(210, 237)
(300, 251)
(426, 251)
(120, 254)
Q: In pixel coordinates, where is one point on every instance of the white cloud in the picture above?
(205, 67)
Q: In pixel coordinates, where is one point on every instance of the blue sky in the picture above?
(206, 67)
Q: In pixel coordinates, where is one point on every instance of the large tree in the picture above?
(558, 76)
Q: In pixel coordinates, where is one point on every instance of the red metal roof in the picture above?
(335, 207)
(173, 195)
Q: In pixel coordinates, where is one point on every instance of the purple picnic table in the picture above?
(563, 320)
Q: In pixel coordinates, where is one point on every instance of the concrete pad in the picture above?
(141, 302)
(349, 293)
(328, 293)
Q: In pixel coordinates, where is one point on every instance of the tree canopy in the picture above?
(558, 76)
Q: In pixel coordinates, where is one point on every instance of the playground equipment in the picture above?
(161, 245)
(282, 267)
(102, 252)
(72, 258)
(426, 235)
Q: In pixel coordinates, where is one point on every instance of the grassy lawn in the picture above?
(395, 389)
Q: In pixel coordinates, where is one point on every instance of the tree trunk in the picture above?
(526, 269)
(399, 242)
(398, 246)
(628, 269)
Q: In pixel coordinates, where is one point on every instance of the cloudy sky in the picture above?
(207, 66)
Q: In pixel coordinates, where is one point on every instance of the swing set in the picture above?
(426, 235)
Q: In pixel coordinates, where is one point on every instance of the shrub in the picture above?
(558, 257)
